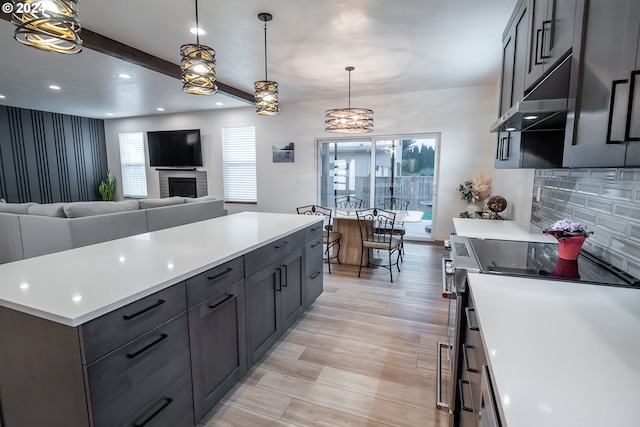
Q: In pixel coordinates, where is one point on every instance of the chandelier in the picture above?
(51, 25)
(198, 66)
(266, 91)
(349, 120)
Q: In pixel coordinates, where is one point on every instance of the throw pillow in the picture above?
(81, 209)
(15, 208)
(198, 199)
(156, 203)
(47, 209)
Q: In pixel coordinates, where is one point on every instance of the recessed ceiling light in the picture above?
(160, 109)
(54, 87)
(510, 129)
(124, 76)
(531, 117)
(219, 103)
(109, 114)
(198, 31)
(2, 97)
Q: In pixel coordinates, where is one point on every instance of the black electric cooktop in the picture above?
(540, 260)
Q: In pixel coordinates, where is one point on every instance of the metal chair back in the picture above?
(348, 202)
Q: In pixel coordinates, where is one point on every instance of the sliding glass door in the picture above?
(376, 169)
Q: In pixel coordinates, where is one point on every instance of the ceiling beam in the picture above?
(107, 46)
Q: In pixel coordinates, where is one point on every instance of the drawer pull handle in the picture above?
(315, 244)
(316, 274)
(462, 404)
(228, 298)
(465, 355)
(286, 275)
(167, 402)
(227, 271)
(151, 307)
(147, 347)
(473, 327)
(286, 242)
(315, 228)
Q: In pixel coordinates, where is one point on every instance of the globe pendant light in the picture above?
(266, 91)
(349, 120)
(198, 66)
(51, 25)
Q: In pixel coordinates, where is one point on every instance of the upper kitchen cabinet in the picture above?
(605, 130)
(551, 31)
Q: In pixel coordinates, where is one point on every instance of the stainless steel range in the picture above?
(503, 257)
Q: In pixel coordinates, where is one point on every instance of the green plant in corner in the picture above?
(465, 214)
(107, 188)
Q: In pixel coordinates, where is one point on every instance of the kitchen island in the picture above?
(559, 353)
(153, 327)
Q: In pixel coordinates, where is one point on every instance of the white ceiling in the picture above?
(395, 46)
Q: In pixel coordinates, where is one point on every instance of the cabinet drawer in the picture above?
(171, 408)
(212, 281)
(314, 285)
(258, 259)
(314, 252)
(314, 231)
(128, 379)
(108, 332)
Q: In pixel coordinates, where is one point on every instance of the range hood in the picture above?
(543, 108)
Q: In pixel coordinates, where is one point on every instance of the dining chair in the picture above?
(348, 202)
(329, 237)
(396, 204)
(371, 222)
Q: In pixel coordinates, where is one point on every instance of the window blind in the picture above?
(134, 175)
(239, 164)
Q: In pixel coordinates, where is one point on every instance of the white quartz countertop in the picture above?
(496, 229)
(78, 285)
(561, 353)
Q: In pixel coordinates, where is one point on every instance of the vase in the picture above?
(569, 248)
(567, 269)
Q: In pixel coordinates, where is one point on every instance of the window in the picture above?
(134, 174)
(239, 164)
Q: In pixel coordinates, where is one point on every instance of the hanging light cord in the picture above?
(265, 51)
(197, 26)
(349, 103)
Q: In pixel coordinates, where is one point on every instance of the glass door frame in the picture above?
(372, 139)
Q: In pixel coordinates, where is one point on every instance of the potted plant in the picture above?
(107, 188)
(570, 235)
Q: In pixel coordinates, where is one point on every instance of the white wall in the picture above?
(516, 186)
(461, 115)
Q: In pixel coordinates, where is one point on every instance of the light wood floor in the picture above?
(363, 355)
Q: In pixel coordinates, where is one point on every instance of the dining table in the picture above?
(345, 222)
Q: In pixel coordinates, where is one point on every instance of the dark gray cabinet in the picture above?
(275, 299)
(550, 36)
(607, 113)
(314, 267)
(217, 333)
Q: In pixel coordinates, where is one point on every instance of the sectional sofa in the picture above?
(32, 229)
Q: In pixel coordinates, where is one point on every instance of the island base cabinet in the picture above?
(314, 270)
(293, 291)
(264, 322)
(217, 332)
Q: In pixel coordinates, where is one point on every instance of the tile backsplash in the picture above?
(606, 200)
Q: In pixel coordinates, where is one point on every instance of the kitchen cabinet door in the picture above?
(217, 334)
(597, 136)
(551, 27)
(508, 151)
(264, 314)
(293, 289)
(632, 131)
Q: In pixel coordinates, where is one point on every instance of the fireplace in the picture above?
(185, 187)
(180, 182)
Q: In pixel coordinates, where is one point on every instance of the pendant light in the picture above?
(349, 120)
(198, 66)
(266, 91)
(51, 26)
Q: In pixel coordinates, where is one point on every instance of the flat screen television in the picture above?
(175, 148)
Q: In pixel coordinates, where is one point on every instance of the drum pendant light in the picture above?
(198, 66)
(51, 26)
(266, 91)
(349, 120)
